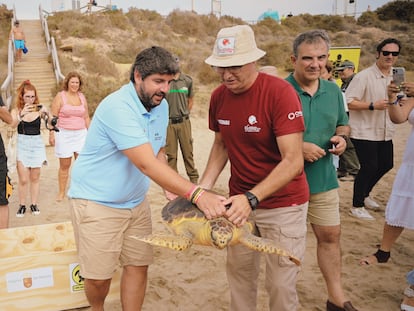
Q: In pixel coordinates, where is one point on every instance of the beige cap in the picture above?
(235, 46)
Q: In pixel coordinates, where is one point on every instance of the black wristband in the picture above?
(371, 106)
(253, 201)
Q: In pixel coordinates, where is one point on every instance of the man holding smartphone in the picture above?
(371, 127)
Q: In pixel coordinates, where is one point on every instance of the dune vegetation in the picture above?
(102, 46)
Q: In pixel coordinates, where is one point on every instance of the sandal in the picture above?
(347, 307)
(379, 257)
(409, 292)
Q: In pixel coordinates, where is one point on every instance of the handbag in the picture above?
(11, 152)
(25, 49)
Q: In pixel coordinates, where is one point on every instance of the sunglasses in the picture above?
(386, 53)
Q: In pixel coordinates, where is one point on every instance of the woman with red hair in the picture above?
(31, 152)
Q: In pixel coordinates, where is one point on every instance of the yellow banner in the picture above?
(340, 54)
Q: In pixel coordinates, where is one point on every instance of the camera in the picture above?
(53, 123)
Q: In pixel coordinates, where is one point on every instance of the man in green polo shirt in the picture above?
(326, 124)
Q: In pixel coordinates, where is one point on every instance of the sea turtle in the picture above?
(189, 226)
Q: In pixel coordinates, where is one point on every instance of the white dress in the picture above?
(400, 207)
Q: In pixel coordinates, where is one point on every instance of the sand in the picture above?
(195, 279)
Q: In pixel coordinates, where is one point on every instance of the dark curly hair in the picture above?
(154, 60)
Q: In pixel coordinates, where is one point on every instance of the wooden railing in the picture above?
(51, 47)
(7, 86)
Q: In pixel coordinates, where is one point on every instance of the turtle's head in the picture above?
(220, 240)
(221, 233)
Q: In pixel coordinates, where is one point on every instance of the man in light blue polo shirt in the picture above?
(123, 150)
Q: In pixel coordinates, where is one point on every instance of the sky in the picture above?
(248, 10)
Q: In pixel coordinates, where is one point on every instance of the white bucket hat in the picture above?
(235, 46)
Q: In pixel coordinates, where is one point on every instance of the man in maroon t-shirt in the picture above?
(258, 124)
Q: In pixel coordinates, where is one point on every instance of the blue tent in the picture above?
(270, 14)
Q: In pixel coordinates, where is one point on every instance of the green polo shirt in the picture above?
(323, 113)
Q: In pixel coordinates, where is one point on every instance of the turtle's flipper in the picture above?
(266, 246)
(174, 242)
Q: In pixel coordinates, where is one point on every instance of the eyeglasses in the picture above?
(232, 69)
(29, 96)
(386, 53)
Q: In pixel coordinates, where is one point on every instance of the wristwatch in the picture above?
(371, 106)
(253, 201)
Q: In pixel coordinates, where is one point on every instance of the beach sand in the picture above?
(195, 279)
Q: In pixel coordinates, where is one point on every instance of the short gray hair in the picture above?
(311, 36)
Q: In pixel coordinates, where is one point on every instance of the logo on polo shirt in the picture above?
(294, 115)
(251, 128)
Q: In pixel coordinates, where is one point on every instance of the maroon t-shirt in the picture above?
(249, 124)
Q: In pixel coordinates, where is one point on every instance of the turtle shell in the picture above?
(180, 208)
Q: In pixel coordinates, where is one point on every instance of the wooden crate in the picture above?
(39, 269)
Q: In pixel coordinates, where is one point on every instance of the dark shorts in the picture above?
(3, 174)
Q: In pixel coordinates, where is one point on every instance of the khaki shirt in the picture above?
(370, 85)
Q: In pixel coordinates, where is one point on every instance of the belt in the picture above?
(178, 119)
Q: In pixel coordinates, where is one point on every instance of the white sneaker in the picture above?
(361, 213)
(371, 204)
(405, 307)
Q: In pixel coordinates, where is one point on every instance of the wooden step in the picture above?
(35, 65)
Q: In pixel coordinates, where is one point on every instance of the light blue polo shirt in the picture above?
(102, 173)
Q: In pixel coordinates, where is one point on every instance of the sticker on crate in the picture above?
(76, 280)
(29, 279)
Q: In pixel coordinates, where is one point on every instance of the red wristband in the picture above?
(190, 192)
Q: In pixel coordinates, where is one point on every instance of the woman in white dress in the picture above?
(399, 214)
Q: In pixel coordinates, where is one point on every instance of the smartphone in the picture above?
(398, 75)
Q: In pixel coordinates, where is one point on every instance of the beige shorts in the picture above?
(323, 208)
(103, 239)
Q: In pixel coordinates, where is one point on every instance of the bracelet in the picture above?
(197, 193)
(198, 196)
(190, 192)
